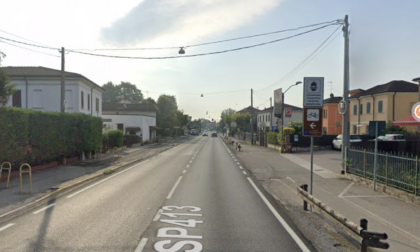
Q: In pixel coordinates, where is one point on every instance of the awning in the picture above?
(132, 129)
(407, 121)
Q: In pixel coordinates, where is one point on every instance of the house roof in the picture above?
(335, 99)
(417, 79)
(407, 121)
(148, 107)
(42, 72)
(393, 86)
(248, 109)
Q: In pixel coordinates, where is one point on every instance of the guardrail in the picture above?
(2, 167)
(25, 171)
(369, 239)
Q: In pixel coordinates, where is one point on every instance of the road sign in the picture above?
(381, 128)
(233, 125)
(312, 122)
(313, 92)
(288, 112)
(278, 97)
(274, 129)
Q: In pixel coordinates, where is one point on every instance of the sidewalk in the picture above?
(281, 174)
(49, 182)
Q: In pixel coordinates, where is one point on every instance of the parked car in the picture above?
(394, 137)
(337, 143)
(205, 134)
(214, 134)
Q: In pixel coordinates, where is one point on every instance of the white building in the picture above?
(39, 88)
(266, 119)
(134, 119)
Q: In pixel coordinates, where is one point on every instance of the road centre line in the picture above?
(184, 171)
(7, 226)
(240, 167)
(298, 241)
(141, 245)
(188, 166)
(158, 215)
(173, 188)
(97, 183)
(237, 163)
(244, 172)
(44, 208)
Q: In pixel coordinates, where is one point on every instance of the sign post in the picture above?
(313, 101)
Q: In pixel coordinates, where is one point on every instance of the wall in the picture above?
(131, 121)
(330, 122)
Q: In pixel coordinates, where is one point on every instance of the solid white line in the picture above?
(244, 172)
(184, 171)
(141, 245)
(158, 215)
(240, 167)
(7, 226)
(298, 241)
(173, 188)
(97, 183)
(290, 179)
(43, 209)
(345, 190)
(365, 196)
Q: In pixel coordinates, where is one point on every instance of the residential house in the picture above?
(253, 112)
(387, 102)
(39, 88)
(332, 119)
(133, 119)
(266, 119)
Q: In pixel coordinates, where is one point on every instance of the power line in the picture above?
(203, 54)
(303, 62)
(334, 22)
(29, 49)
(22, 37)
(24, 43)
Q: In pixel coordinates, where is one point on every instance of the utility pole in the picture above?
(346, 126)
(63, 85)
(271, 104)
(252, 126)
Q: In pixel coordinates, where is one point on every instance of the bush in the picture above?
(115, 138)
(39, 137)
(272, 138)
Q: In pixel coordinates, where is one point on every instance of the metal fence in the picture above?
(393, 169)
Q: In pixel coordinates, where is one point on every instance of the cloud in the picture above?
(175, 22)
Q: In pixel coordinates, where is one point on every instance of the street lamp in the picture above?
(282, 113)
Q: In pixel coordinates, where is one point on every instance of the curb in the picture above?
(61, 190)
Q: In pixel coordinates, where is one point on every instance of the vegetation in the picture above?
(297, 126)
(389, 128)
(124, 92)
(272, 138)
(6, 89)
(115, 138)
(39, 137)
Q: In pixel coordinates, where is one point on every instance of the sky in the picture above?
(383, 45)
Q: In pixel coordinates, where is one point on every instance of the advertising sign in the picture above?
(278, 97)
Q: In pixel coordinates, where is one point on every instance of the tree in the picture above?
(149, 100)
(182, 119)
(297, 126)
(222, 122)
(167, 113)
(389, 128)
(124, 92)
(6, 89)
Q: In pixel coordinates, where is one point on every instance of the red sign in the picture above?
(312, 122)
(288, 111)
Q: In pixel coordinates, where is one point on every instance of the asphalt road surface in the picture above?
(194, 197)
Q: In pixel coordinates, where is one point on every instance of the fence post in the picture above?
(305, 204)
(364, 163)
(386, 169)
(363, 225)
(416, 182)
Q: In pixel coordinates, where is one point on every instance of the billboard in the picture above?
(278, 97)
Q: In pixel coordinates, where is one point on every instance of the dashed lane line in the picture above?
(244, 172)
(44, 208)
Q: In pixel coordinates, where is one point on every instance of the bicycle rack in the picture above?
(23, 171)
(2, 167)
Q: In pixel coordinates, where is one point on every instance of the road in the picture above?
(194, 197)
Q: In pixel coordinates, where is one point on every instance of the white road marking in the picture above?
(237, 163)
(298, 241)
(97, 183)
(345, 190)
(43, 209)
(307, 165)
(244, 172)
(184, 171)
(173, 188)
(366, 196)
(7, 226)
(158, 215)
(235, 159)
(190, 162)
(141, 245)
(290, 179)
(188, 166)
(240, 167)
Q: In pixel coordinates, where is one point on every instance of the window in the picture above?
(17, 99)
(38, 99)
(355, 109)
(361, 109)
(354, 129)
(120, 126)
(325, 113)
(97, 104)
(368, 108)
(88, 102)
(269, 117)
(380, 106)
(82, 99)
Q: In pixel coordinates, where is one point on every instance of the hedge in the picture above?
(116, 138)
(272, 138)
(40, 137)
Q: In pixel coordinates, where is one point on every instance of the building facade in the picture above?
(331, 118)
(266, 119)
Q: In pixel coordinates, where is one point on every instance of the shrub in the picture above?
(272, 138)
(116, 138)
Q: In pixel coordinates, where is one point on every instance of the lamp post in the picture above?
(282, 113)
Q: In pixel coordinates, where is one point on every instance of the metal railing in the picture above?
(393, 169)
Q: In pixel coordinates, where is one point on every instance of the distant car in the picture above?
(214, 134)
(394, 137)
(205, 134)
(337, 143)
